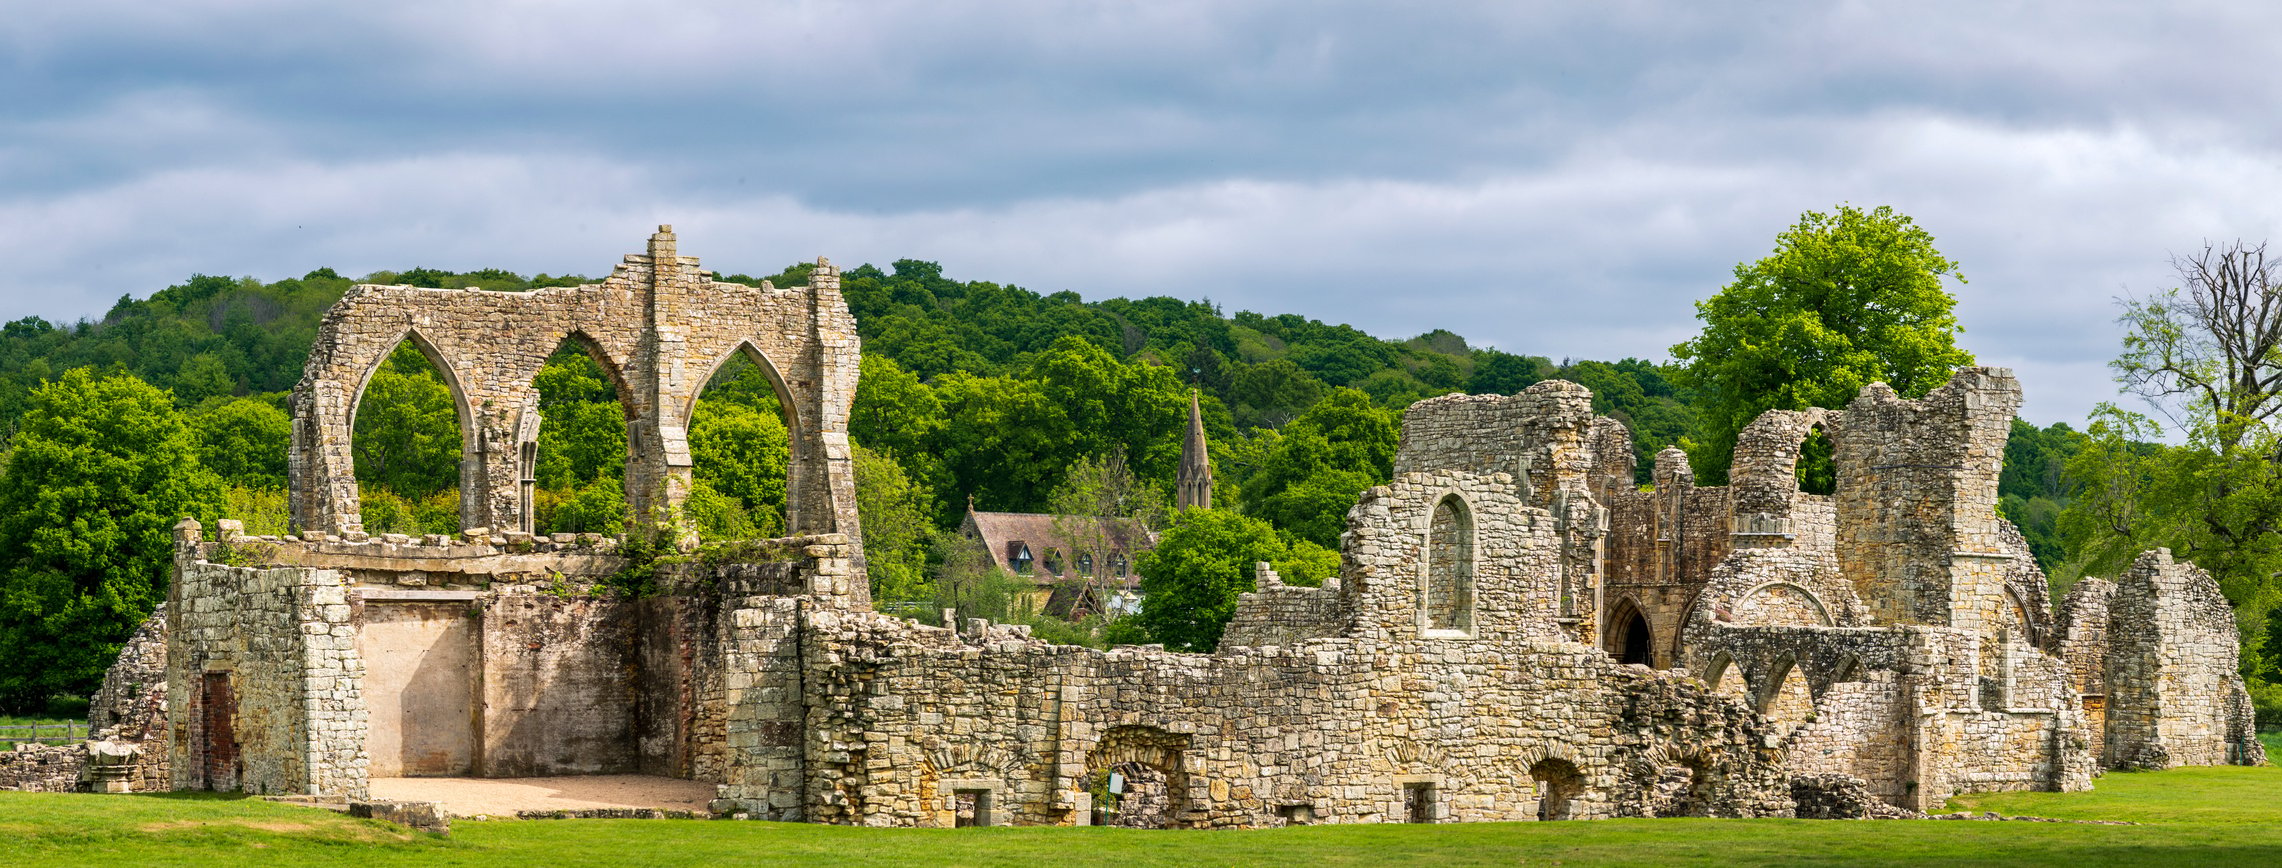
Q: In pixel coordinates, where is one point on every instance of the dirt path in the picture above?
(502, 797)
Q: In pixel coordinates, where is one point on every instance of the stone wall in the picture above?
(1279, 614)
(269, 654)
(659, 327)
(2175, 693)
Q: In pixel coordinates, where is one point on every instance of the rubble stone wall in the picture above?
(2171, 671)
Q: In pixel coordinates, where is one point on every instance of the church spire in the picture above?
(1195, 480)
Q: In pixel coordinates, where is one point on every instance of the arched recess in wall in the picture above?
(1789, 703)
(1628, 636)
(409, 441)
(572, 471)
(1779, 604)
(742, 450)
(1726, 679)
(1448, 591)
(1558, 784)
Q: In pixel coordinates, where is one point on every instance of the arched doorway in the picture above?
(1559, 784)
(1629, 638)
(1136, 778)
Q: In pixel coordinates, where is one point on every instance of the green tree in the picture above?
(1321, 463)
(582, 427)
(898, 520)
(2207, 355)
(244, 440)
(99, 471)
(1006, 444)
(742, 454)
(898, 415)
(1189, 582)
(1847, 299)
(1271, 393)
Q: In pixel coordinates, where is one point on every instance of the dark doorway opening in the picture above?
(1638, 641)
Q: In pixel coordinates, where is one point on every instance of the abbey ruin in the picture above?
(1517, 630)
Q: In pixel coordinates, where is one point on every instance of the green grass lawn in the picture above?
(2225, 816)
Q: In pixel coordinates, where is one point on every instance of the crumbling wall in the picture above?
(1905, 709)
(281, 643)
(2175, 692)
(903, 717)
(659, 327)
(1279, 614)
(1917, 528)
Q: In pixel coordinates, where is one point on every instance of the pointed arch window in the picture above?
(1449, 587)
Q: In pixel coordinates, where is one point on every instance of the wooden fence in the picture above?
(43, 733)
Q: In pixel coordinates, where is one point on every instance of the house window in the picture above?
(1054, 562)
(1085, 565)
(1117, 565)
(1021, 559)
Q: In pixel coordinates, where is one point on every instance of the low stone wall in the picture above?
(38, 768)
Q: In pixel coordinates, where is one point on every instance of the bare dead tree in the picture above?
(2210, 352)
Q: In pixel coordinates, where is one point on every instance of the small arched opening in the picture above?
(1136, 779)
(1630, 639)
(1449, 585)
(409, 443)
(1817, 468)
(1558, 785)
(1790, 703)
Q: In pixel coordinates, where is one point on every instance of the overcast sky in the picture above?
(1561, 179)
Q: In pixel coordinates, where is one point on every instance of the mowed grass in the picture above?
(2225, 816)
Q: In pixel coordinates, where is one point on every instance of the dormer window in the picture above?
(1018, 557)
(1053, 562)
(1085, 564)
(1117, 565)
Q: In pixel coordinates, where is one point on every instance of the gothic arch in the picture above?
(1447, 567)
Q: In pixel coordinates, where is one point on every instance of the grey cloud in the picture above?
(1561, 179)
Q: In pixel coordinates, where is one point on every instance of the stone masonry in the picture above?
(1869, 651)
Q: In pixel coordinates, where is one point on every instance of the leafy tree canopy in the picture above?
(1847, 299)
(100, 470)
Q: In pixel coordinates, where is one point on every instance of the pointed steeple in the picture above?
(1194, 487)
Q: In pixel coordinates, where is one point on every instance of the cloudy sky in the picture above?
(1561, 179)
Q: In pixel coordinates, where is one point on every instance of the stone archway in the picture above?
(1146, 763)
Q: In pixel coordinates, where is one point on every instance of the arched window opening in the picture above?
(577, 466)
(1558, 786)
(1818, 468)
(407, 446)
(740, 453)
(1449, 603)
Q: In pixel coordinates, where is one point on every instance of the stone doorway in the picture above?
(1558, 786)
(218, 716)
(422, 676)
(1137, 779)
